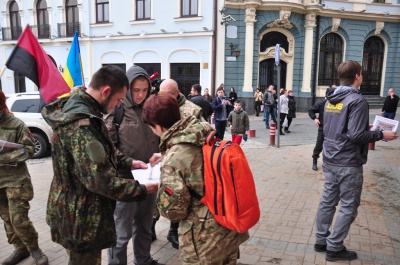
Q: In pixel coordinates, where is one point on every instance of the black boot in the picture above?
(153, 231)
(173, 235)
(17, 256)
(314, 165)
(281, 133)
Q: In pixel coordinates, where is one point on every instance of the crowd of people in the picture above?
(103, 132)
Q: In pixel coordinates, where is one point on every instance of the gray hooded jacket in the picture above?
(346, 128)
(135, 138)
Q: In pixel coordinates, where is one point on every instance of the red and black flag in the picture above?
(29, 59)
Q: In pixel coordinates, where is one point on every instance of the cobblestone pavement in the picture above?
(288, 191)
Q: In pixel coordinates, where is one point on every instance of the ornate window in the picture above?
(42, 19)
(271, 39)
(102, 11)
(372, 62)
(189, 8)
(143, 9)
(15, 21)
(72, 17)
(330, 56)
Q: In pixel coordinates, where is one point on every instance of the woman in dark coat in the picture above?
(232, 99)
(292, 110)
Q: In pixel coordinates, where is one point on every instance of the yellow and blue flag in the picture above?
(73, 72)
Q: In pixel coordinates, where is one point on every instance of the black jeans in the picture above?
(220, 127)
(257, 107)
(318, 145)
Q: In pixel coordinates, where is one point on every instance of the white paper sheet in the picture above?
(148, 175)
(384, 124)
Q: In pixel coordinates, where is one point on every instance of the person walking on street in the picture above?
(283, 108)
(258, 98)
(345, 151)
(135, 138)
(292, 110)
(239, 123)
(201, 239)
(269, 105)
(16, 188)
(390, 105)
(232, 99)
(318, 107)
(220, 105)
(85, 184)
(200, 101)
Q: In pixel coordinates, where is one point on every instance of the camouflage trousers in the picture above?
(87, 258)
(14, 208)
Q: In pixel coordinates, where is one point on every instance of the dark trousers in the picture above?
(289, 121)
(318, 145)
(257, 107)
(220, 127)
(282, 116)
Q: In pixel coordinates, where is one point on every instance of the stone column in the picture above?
(251, 7)
(308, 48)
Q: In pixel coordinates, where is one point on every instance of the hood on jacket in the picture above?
(133, 73)
(189, 130)
(69, 109)
(341, 93)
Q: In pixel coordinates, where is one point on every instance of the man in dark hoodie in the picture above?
(345, 150)
(86, 184)
(134, 138)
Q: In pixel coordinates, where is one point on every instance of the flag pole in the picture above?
(2, 71)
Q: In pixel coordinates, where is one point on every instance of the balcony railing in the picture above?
(11, 33)
(41, 31)
(68, 29)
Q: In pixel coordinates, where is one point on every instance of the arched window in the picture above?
(42, 19)
(271, 39)
(72, 17)
(15, 21)
(102, 11)
(372, 62)
(330, 56)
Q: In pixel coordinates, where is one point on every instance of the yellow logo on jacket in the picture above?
(337, 108)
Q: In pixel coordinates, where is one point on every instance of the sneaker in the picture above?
(314, 167)
(344, 254)
(39, 257)
(17, 256)
(319, 248)
(267, 127)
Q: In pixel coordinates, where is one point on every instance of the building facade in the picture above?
(177, 38)
(314, 37)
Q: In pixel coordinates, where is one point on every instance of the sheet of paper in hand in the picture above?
(148, 175)
(384, 124)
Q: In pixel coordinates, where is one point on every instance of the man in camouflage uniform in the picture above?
(187, 109)
(201, 239)
(16, 188)
(85, 183)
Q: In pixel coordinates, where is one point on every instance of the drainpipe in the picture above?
(316, 55)
(214, 47)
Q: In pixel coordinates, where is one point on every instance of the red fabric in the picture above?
(237, 138)
(51, 82)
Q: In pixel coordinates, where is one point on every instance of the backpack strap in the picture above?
(194, 194)
(210, 137)
(119, 115)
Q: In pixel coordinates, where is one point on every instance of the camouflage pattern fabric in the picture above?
(85, 183)
(13, 170)
(201, 239)
(14, 208)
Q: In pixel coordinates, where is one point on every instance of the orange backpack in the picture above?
(230, 192)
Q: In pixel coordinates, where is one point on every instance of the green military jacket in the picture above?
(13, 169)
(181, 170)
(85, 184)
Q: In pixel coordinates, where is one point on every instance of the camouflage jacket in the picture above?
(85, 184)
(188, 108)
(181, 170)
(13, 170)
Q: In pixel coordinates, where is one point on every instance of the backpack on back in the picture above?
(230, 192)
